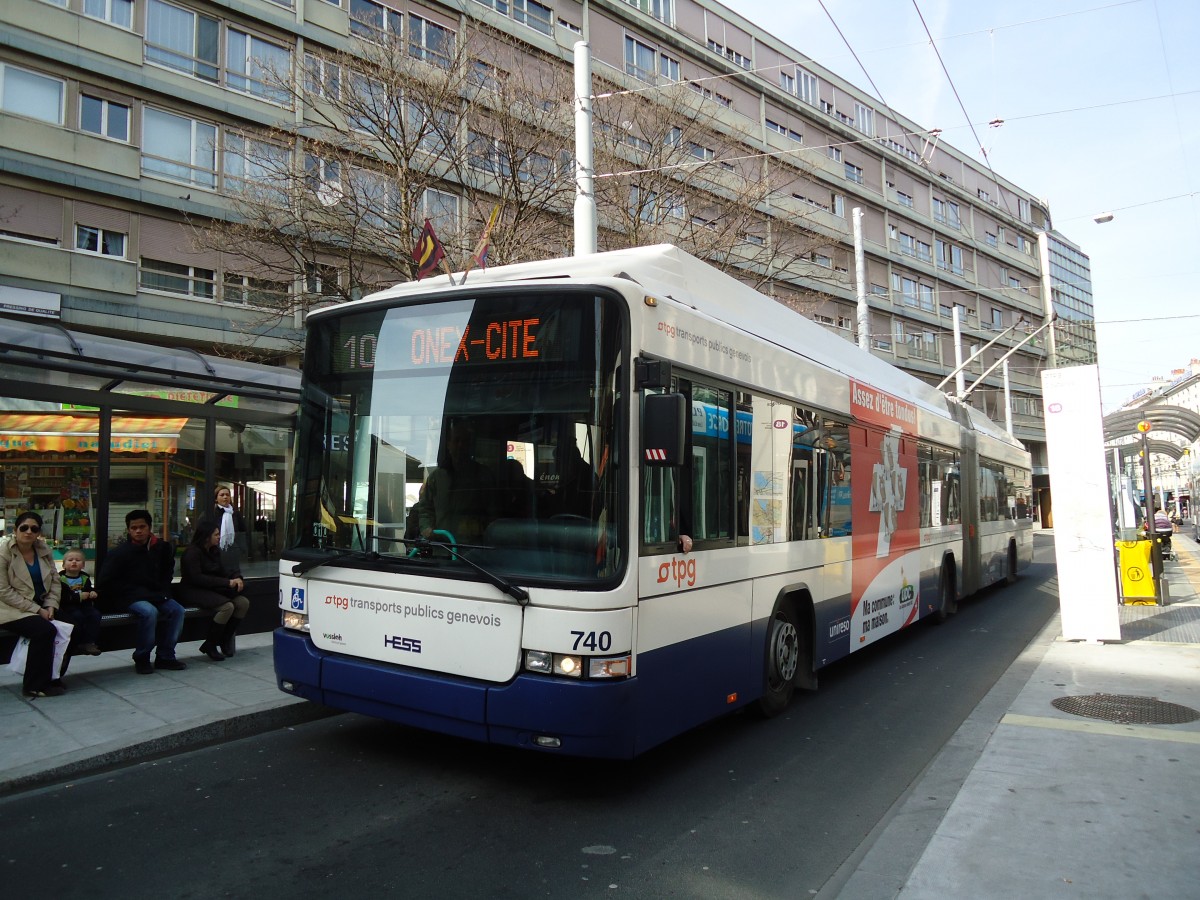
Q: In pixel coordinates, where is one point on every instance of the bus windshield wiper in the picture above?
(343, 553)
(517, 593)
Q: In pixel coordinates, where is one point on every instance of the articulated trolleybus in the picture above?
(586, 504)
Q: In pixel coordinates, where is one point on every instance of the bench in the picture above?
(118, 630)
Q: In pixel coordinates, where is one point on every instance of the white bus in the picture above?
(583, 505)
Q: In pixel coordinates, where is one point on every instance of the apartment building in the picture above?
(126, 126)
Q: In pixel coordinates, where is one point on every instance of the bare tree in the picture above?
(667, 173)
(447, 126)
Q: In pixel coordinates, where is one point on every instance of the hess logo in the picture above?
(406, 644)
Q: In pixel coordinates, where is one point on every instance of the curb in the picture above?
(184, 736)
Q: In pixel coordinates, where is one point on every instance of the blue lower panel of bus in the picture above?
(591, 719)
(677, 688)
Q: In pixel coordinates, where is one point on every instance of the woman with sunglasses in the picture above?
(29, 592)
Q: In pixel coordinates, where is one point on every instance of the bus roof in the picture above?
(667, 271)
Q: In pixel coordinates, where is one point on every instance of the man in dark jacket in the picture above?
(137, 576)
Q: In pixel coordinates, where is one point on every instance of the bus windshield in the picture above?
(475, 433)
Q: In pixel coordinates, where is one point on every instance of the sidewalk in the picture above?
(1030, 801)
(111, 716)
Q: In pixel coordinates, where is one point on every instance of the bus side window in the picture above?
(660, 516)
(660, 505)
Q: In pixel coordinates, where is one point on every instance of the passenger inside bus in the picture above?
(459, 496)
(575, 491)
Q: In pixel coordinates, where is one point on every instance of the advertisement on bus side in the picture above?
(886, 536)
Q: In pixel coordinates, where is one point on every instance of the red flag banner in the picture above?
(428, 252)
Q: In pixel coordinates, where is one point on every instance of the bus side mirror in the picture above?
(663, 419)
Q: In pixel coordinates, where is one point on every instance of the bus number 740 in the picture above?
(590, 640)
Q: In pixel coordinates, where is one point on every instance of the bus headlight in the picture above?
(567, 665)
(295, 621)
(610, 667)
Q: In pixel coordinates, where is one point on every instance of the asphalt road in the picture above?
(354, 807)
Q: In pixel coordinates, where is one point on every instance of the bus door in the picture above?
(968, 486)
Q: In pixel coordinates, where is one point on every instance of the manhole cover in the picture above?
(1126, 710)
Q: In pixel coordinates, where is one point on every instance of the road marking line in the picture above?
(1145, 732)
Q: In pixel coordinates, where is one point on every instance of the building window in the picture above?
(864, 119)
(834, 153)
(1023, 210)
(182, 40)
(374, 21)
(949, 257)
(639, 60)
(904, 199)
(257, 67)
(528, 12)
(262, 292)
(785, 131)
(787, 81)
(984, 196)
(430, 41)
(709, 94)
(99, 240)
(729, 53)
(485, 75)
(653, 208)
(539, 18)
(322, 78)
(946, 212)
(179, 148)
(104, 117)
(668, 68)
(25, 93)
(810, 91)
(441, 209)
(173, 278)
(254, 165)
(990, 238)
(854, 173)
(837, 204)
(115, 12)
(663, 10)
(997, 319)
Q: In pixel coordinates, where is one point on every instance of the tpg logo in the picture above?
(298, 598)
(680, 571)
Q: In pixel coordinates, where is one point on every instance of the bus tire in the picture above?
(947, 603)
(781, 661)
(1010, 576)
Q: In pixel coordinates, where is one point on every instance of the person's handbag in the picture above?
(16, 663)
(20, 654)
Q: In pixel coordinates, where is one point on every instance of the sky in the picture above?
(1101, 107)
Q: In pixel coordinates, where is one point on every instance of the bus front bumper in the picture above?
(576, 718)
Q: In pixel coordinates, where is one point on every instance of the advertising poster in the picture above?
(886, 539)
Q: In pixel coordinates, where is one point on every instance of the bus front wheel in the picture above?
(782, 661)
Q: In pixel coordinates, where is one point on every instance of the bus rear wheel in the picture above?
(781, 662)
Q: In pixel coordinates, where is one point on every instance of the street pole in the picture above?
(860, 273)
(585, 194)
(1148, 499)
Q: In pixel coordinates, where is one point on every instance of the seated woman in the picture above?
(29, 594)
(205, 582)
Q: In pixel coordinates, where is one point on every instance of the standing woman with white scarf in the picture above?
(233, 530)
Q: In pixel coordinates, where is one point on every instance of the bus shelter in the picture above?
(92, 427)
